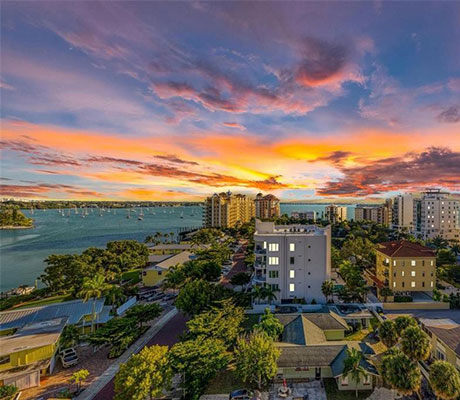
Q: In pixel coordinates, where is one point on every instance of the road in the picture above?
(238, 265)
(166, 336)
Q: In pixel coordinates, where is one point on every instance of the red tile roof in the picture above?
(404, 248)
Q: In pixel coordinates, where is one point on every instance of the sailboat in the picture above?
(129, 214)
(32, 210)
(141, 216)
(182, 215)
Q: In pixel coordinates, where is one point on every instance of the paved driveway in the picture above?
(313, 389)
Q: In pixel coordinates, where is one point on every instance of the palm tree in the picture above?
(388, 334)
(404, 321)
(93, 288)
(327, 288)
(400, 372)
(415, 343)
(115, 293)
(445, 380)
(175, 277)
(269, 294)
(352, 366)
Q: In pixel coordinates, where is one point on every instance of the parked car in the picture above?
(68, 357)
(240, 394)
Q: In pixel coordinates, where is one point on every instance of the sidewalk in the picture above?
(99, 383)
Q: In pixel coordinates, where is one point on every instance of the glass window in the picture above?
(273, 274)
(412, 273)
(413, 263)
(402, 273)
(394, 284)
(412, 284)
(291, 246)
(265, 245)
(431, 262)
(273, 260)
(291, 273)
(273, 246)
(292, 260)
(274, 286)
(431, 283)
(394, 263)
(291, 287)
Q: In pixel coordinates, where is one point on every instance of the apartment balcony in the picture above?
(386, 263)
(259, 279)
(260, 265)
(260, 251)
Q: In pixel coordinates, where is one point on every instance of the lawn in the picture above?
(333, 393)
(44, 302)
(359, 335)
(250, 321)
(225, 382)
(133, 276)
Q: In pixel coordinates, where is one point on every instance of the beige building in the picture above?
(439, 216)
(335, 213)
(445, 339)
(226, 210)
(378, 214)
(267, 206)
(403, 213)
(405, 267)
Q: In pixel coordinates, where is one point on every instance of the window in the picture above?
(440, 355)
(394, 263)
(291, 246)
(423, 284)
(431, 283)
(403, 263)
(273, 274)
(291, 287)
(402, 273)
(412, 273)
(344, 380)
(273, 246)
(394, 284)
(292, 260)
(387, 260)
(274, 286)
(265, 245)
(423, 263)
(423, 273)
(4, 360)
(291, 273)
(403, 284)
(413, 263)
(431, 262)
(273, 261)
(160, 272)
(412, 284)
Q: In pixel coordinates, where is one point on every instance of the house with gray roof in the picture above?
(312, 347)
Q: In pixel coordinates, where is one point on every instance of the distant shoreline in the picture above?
(7, 227)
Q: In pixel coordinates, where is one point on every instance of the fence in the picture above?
(129, 303)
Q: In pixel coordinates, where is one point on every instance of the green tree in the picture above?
(352, 366)
(142, 313)
(175, 277)
(404, 321)
(359, 250)
(135, 254)
(445, 257)
(415, 343)
(385, 292)
(240, 279)
(222, 322)
(270, 325)
(445, 380)
(93, 288)
(79, 377)
(400, 372)
(144, 375)
(388, 333)
(198, 295)
(71, 336)
(198, 361)
(327, 288)
(116, 295)
(255, 359)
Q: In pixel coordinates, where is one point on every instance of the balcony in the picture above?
(260, 250)
(259, 279)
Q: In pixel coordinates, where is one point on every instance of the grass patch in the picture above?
(359, 335)
(333, 393)
(133, 276)
(250, 320)
(225, 382)
(45, 302)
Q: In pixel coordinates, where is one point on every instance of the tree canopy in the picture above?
(270, 325)
(445, 380)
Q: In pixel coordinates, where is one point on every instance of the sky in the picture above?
(178, 100)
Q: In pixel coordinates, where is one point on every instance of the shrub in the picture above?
(403, 299)
(7, 392)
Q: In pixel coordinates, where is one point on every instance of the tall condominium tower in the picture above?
(403, 212)
(335, 213)
(226, 210)
(267, 206)
(293, 259)
(439, 216)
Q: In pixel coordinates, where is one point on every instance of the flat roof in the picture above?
(175, 246)
(31, 336)
(179, 258)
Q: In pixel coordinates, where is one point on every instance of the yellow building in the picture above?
(30, 353)
(445, 339)
(267, 206)
(154, 274)
(226, 210)
(406, 267)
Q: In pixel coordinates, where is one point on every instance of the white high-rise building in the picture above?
(439, 216)
(403, 212)
(294, 259)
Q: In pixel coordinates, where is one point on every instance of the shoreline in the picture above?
(12, 227)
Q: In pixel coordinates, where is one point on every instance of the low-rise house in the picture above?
(154, 274)
(30, 353)
(312, 347)
(445, 339)
(174, 248)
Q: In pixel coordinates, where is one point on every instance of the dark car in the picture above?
(240, 394)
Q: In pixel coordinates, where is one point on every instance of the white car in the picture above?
(68, 357)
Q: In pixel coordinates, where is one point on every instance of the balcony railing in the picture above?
(259, 278)
(260, 250)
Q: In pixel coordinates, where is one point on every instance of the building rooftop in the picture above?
(269, 228)
(404, 248)
(179, 258)
(175, 246)
(74, 310)
(33, 335)
(446, 330)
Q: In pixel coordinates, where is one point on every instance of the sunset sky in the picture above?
(177, 100)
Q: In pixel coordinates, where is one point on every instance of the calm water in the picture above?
(22, 251)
